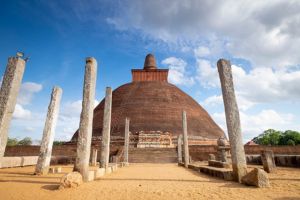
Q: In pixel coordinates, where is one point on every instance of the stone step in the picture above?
(152, 155)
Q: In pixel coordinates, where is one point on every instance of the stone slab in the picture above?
(219, 164)
(108, 170)
(7, 162)
(58, 170)
(91, 175)
(29, 160)
(223, 173)
(51, 170)
(99, 172)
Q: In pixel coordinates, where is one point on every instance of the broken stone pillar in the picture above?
(43, 163)
(126, 142)
(222, 149)
(267, 158)
(86, 119)
(104, 159)
(232, 120)
(179, 148)
(185, 140)
(94, 156)
(11, 83)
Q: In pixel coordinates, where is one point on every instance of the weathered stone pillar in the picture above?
(185, 140)
(233, 120)
(86, 119)
(126, 142)
(179, 148)
(8, 96)
(94, 156)
(44, 159)
(267, 158)
(104, 159)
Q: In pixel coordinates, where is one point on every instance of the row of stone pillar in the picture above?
(8, 96)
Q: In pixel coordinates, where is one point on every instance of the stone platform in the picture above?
(223, 173)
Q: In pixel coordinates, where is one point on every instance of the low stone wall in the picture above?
(282, 150)
(22, 161)
(280, 160)
(66, 153)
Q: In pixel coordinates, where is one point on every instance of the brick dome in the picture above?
(153, 104)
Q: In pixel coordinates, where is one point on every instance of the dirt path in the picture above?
(146, 181)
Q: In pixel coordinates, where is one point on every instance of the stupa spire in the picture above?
(150, 62)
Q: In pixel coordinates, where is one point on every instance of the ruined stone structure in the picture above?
(155, 107)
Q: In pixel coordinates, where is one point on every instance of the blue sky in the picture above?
(187, 36)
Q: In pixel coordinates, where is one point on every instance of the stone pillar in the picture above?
(267, 158)
(185, 140)
(126, 142)
(232, 120)
(179, 148)
(94, 157)
(104, 159)
(8, 96)
(86, 119)
(44, 159)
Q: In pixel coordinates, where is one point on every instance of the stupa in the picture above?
(154, 107)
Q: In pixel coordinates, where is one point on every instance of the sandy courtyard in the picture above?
(146, 181)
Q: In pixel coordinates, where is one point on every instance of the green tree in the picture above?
(274, 137)
(268, 137)
(25, 141)
(12, 142)
(57, 143)
(290, 142)
(290, 135)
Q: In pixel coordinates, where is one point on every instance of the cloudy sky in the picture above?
(260, 38)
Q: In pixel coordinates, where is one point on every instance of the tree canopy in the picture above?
(275, 137)
(15, 141)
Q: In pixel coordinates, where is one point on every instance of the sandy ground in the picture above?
(146, 181)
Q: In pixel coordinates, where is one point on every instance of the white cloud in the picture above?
(178, 71)
(263, 32)
(259, 85)
(206, 74)
(69, 119)
(27, 90)
(202, 51)
(213, 100)
(267, 85)
(254, 124)
(21, 113)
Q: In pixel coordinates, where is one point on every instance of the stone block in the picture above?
(114, 167)
(256, 177)
(219, 164)
(91, 175)
(51, 170)
(99, 172)
(10, 162)
(108, 170)
(72, 179)
(57, 169)
(268, 161)
(223, 173)
(29, 160)
(211, 157)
